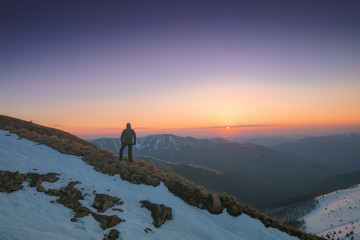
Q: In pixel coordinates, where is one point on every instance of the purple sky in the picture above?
(78, 64)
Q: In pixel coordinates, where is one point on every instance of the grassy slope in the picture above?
(139, 172)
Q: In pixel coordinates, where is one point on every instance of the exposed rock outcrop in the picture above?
(36, 179)
(159, 212)
(107, 221)
(104, 201)
(70, 196)
(114, 234)
(81, 211)
(13, 181)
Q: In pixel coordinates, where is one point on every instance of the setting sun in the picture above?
(227, 128)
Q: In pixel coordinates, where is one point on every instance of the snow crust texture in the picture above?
(30, 214)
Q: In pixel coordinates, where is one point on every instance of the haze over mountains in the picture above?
(339, 152)
(258, 175)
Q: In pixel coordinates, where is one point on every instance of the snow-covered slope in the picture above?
(337, 212)
(31, 214)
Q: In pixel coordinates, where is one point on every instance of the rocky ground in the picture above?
(70, 197)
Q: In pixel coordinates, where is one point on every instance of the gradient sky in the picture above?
(184, 67)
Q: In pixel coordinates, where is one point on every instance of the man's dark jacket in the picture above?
(127, 136)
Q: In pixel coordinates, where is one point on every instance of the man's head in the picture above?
(128, 125)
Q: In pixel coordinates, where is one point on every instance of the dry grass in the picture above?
(140, 172)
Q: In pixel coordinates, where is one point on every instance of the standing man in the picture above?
(128, 138)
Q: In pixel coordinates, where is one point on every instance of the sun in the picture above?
(227, 128)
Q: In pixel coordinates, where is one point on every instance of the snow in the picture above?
(117, 146)
(338, 211)
(158, 142)
(101, 145)
(28, 214)
(174, 143)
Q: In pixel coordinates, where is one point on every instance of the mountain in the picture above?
(277, 168)
(246, 189)
(340, 152)
(336, 182)
(54, 185)
(336, 215)
(353, 138)
(268, 141)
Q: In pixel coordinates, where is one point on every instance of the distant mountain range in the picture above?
(264, 164)
(258, 175)
(340, 152)
(269, 141)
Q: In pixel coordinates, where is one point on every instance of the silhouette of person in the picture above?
(128, 139)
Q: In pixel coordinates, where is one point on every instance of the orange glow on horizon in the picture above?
(216, 108)
(314, 129)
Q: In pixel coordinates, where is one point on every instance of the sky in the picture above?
(261, 68)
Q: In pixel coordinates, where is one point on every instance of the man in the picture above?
(128, 138)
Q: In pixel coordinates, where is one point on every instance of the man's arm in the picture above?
(134, 134)
(122, 137)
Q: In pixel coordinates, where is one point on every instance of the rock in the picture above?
(103, 202)
(11, 181)
(81, 211)
(231, 205)
(118, 209)
(107, 221)
(216, 206)
(159, 212)
(50, 177)
(36, 179)
(40, 189)
(53, 192)
(114, 234)
(70, 196)
(147, 230)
